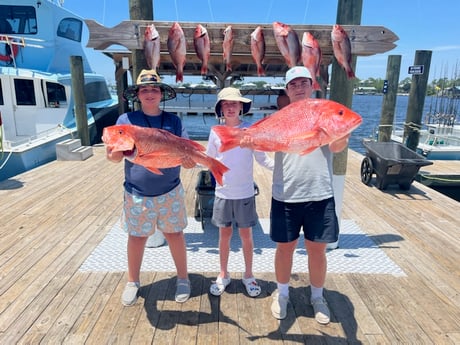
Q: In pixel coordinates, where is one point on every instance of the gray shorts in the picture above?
(242, 212)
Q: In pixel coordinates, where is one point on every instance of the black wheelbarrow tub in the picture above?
(392, 162)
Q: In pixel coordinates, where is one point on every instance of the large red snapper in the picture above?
(156, 148)
(311, 57)
(341, 47)
(177, 48)
(300, 127)
(227, 47)
(152, 46)
(258, 49)
(202, 47)
(288, 43)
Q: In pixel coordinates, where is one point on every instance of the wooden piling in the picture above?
(389, 97)
(417, 98)
(78, 91)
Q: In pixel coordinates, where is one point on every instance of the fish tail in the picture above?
(316, 85)
(350, 73)
(260, 70)
(204, 69)
(218, 169)
(179, 76)
(229, 137)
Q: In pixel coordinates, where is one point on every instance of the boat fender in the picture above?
(11, 50)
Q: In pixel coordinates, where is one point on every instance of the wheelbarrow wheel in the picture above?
(367, 169)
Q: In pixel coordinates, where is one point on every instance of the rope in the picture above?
(442, 179)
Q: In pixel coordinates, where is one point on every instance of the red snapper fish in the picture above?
(157, 149)
(341, 47)
(258, 49)
(288, 43)
(300, 127)
(227, 47)
(311, 57)
(202, 47)
(152, 46)
(177, 48)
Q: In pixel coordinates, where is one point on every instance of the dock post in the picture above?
(390, 90)
(417, 93)
(78, 91)
(348, 12)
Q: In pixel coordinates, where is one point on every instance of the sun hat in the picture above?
(149, 77)
(231, 94)
(297, 72)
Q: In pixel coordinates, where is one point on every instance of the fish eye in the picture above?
(340, 112)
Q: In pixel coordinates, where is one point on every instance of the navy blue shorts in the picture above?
(317, 218)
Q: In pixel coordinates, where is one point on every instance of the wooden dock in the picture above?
(54, 217)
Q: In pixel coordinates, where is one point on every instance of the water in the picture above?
(368, 106)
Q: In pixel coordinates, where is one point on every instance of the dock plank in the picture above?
(58, 214)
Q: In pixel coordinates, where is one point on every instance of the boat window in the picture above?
(96, 91)
(18, 19)
(70, 28)
(25, 94)
(55, 94)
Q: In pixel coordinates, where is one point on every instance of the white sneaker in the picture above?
(279, 306)
(129, 296)
(321, 310)
(155, 240)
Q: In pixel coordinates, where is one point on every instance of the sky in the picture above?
(419, 24)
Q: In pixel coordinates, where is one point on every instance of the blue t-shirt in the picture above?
(138, 180)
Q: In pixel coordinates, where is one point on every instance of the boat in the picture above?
(436, 141)
(439, 135)
(37, 40)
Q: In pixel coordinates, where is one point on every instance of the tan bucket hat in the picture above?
(149, 77)
(231, 94)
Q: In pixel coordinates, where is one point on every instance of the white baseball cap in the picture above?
(297, 72)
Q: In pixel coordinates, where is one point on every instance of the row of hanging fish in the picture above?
(307, 51)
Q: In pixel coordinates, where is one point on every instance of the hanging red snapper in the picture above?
(299, 127)
(311, 57)
(288, 43)
(258, 49)
(157, 149)
(341, 47)
(227, 47)
(152, 46)
(177, 48)
(202, 47)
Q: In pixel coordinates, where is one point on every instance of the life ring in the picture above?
(13, 49)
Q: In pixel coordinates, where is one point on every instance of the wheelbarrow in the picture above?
(392, 162)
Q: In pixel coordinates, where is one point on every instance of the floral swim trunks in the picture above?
(142, 215)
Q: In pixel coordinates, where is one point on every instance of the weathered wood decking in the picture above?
(54, 216)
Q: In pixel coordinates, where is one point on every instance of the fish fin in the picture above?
(153, 169)
(218, 169)
(339, 145)
(229, 137)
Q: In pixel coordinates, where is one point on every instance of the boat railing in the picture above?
(31, 140)
(433, 134)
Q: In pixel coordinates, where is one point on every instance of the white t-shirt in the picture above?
(238, 182)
